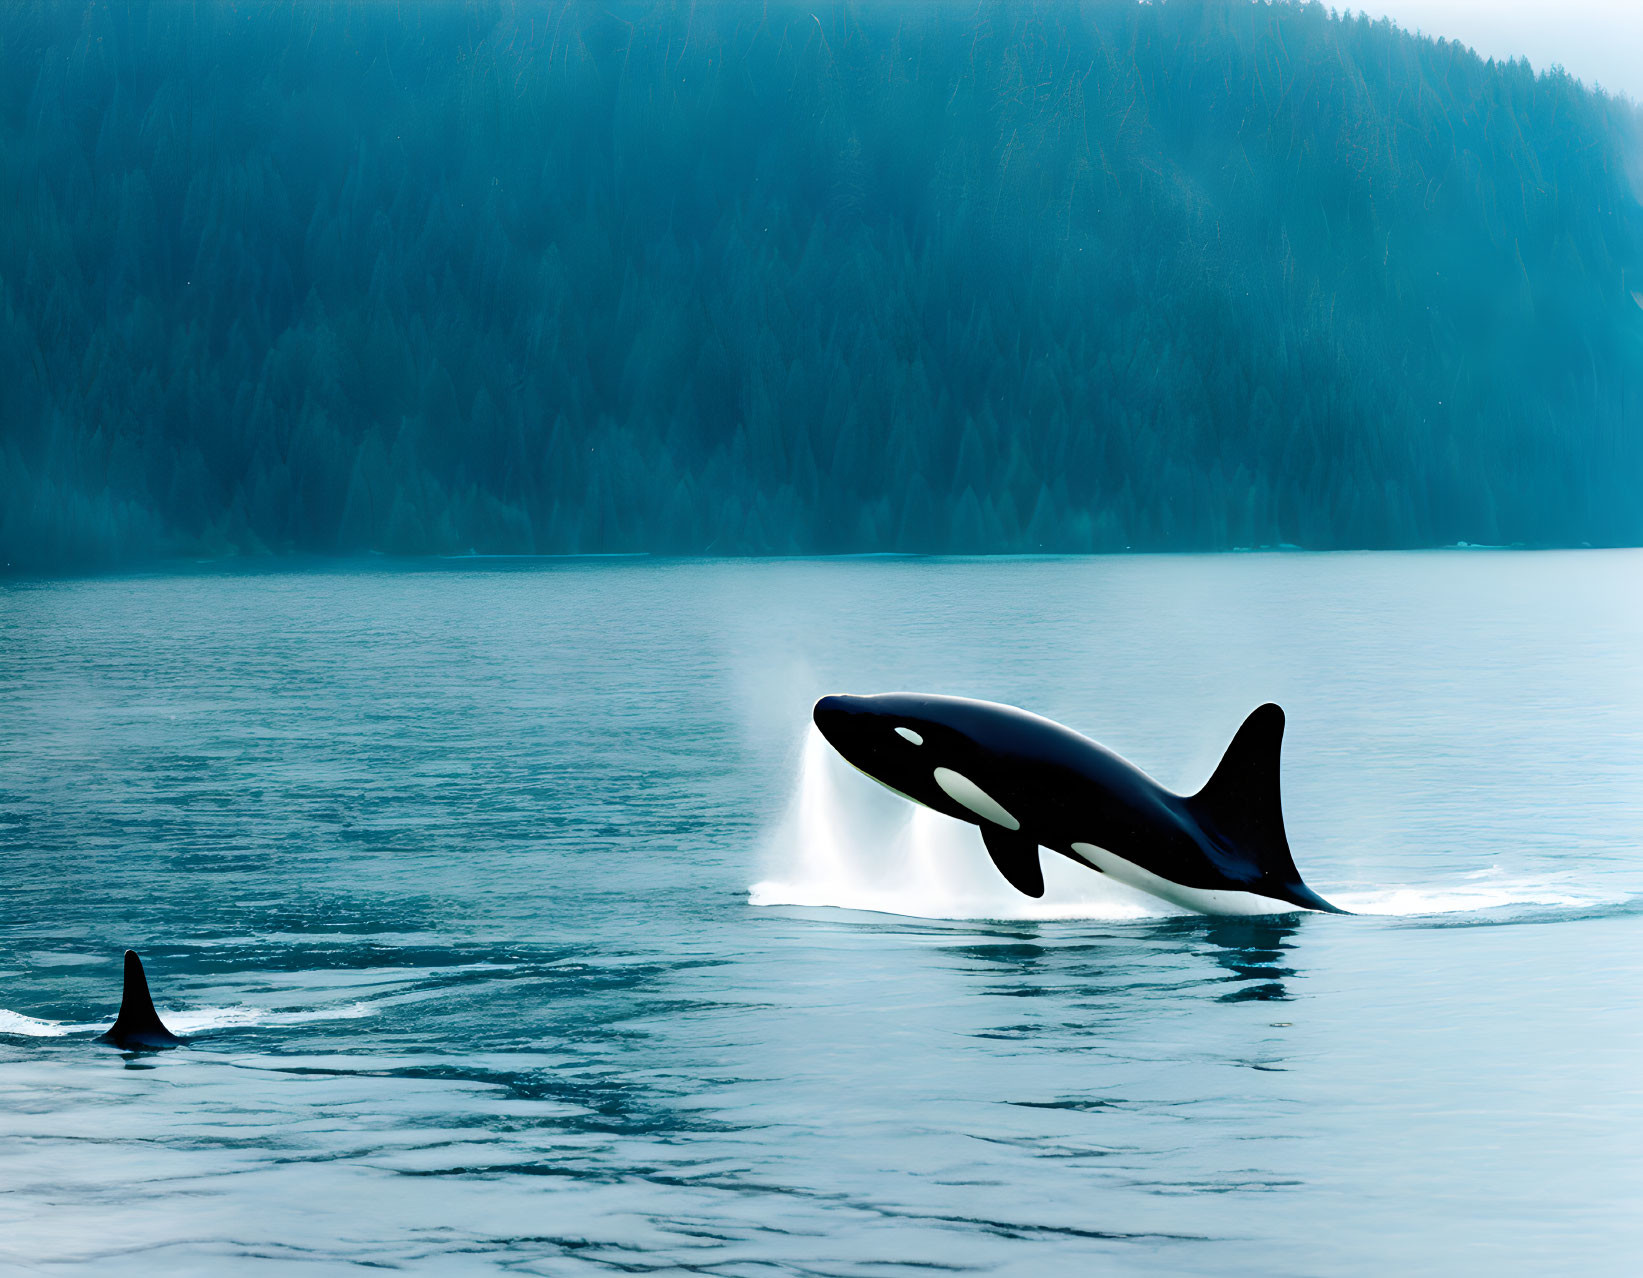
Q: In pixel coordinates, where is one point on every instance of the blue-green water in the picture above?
(452, 870)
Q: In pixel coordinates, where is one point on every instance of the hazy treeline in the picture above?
(521, 277)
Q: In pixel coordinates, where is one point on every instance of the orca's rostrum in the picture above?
(1029, 782)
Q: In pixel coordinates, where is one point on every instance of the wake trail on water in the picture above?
(188, 1022)
(848, 843)
(1479, 892)
(197, 1020)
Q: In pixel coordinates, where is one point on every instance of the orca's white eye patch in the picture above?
(910, 735)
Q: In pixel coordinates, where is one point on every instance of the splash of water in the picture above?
(848, 843)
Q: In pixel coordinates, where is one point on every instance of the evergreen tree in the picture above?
(543, 277)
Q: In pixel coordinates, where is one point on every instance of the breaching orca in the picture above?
(1029, 782)
(138, 1027)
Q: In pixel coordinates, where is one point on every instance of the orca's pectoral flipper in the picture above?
(1242, 805)
(1016, 856)
(138, 1026)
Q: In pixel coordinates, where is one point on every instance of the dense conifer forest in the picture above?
(743, 278)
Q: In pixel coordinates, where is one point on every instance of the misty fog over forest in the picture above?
(747, 279)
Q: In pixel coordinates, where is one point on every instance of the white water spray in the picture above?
(847, 842)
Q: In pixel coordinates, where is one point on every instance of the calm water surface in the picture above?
(450, 868)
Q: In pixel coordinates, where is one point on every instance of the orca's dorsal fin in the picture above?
(1240, 803)
(138, 1024)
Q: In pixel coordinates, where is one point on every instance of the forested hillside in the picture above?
(746, 278)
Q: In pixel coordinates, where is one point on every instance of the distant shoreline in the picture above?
(273, 565)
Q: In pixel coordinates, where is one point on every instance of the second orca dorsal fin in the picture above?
(1241, 801)
(1016, 856)
(138, 1025)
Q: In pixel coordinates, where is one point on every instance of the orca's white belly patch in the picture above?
(1203, 900)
